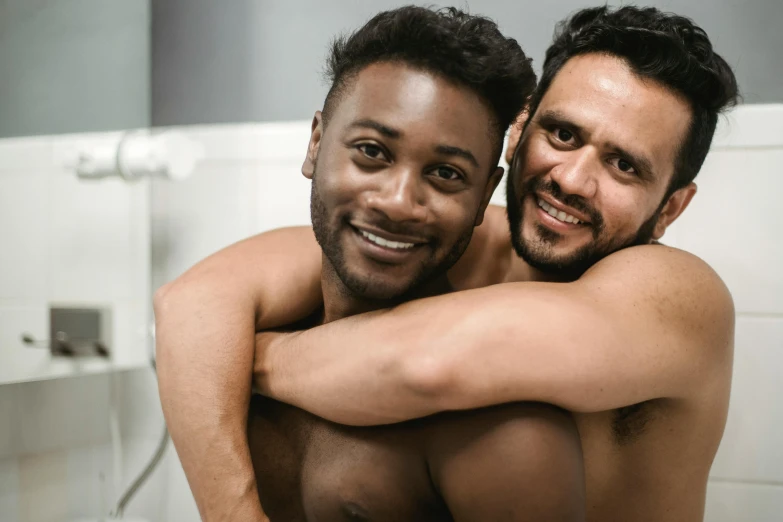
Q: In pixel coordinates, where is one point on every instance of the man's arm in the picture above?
(205, 323)
(515, 462)
(647, 322)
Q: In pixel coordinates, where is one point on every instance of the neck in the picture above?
(341, 302)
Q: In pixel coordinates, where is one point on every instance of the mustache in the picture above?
(539, 185)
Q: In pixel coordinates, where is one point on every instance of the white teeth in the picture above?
(557, 214)
(396, 245)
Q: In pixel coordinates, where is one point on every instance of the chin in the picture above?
(370, 287)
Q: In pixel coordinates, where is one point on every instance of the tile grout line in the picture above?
(747, 482)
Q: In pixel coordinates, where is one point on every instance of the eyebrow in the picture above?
(449, 150)
(641, 163)
(380, 127)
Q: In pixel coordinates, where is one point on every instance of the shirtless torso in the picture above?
(514, 462)
(643, 462)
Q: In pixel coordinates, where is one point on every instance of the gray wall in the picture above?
(73, 66)
(261, 60)
(84, 65)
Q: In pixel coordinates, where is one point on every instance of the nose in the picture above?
(399, 196)
(577, 174)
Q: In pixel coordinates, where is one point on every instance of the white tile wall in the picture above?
(8, 434)
(65, 241)
(43, 476)
(9, 490)
(62, 413)
(734, 224)
(283, 195)
(90, 254)
(69, 242)
(200, 215)
(736, 502)
(23, 255)
(62, 426)
(153, 497)
(31, 154)
(26, 360)
(90, 486)
(141, 414)
(752, 446)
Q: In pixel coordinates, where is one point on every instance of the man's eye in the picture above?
(564, 135)
(624, 166)
(447, 174)
(372, 151)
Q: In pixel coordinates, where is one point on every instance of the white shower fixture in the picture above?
(137, 154)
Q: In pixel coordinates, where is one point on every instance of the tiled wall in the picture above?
(71, 242)
(56, 457)
(734, 223)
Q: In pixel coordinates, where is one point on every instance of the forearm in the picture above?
(394, 365)
(206, 404)
(205, 323)
(467, 350)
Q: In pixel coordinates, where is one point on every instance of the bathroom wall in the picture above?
(735, 224)
(72, 242)
(74, 66)
(263, 61)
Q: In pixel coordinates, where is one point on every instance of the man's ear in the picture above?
(673, 208)
(492, 184)
(316, 133)
(514, 134)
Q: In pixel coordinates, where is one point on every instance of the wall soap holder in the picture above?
(77, 332)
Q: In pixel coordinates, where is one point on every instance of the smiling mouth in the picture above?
(558, 214)
(386, 243)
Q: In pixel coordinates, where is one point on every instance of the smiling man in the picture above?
(582, 308)
(403, 162)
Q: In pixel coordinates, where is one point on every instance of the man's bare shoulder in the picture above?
(667, 266)
(682, 288)
(488, 257)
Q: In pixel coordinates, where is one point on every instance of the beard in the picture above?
(329, 234)
(539, 252)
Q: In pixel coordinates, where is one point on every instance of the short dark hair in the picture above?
(664, 47)
(466, 49)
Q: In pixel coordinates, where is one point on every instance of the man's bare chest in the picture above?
(340, 473)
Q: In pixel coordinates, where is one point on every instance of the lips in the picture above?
(558, 214)
(385, 247)
(386, 243)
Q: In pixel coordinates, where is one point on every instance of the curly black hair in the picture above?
(667, 48)
(466, 49)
